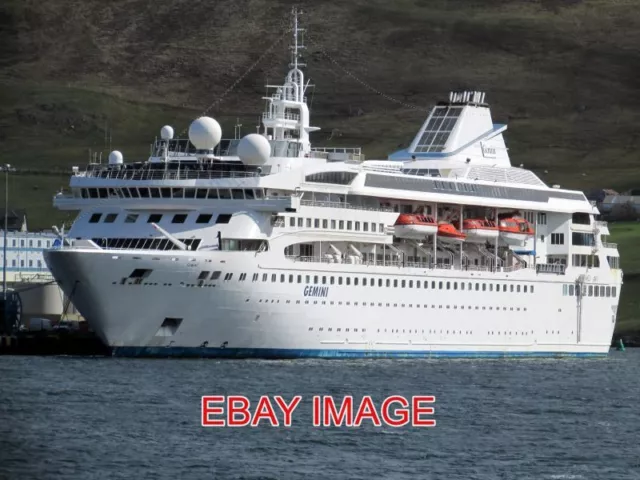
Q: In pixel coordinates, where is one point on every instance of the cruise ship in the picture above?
(267, 247)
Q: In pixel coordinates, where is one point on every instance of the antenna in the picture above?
(236, 129)
(297, 45)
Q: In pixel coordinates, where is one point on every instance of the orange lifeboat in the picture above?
(412, 225)
(448, 233)
(515, 230)
(480, 230)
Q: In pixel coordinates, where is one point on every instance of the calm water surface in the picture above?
(94, 418)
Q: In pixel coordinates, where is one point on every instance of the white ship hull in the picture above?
(268, 319)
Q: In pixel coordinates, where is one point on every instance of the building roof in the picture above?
(16, 219)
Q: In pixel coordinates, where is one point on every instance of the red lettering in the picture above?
(403, 413)
(209, 410)
(367, 410)
(288, 409)
(316, 410)
(416, 402)
(242, 410)
(330, 413)
(264, 410)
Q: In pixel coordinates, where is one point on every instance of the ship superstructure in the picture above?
(264, 246)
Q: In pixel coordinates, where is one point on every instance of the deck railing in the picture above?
(146, 174)
(314, 203)
(609, 245)
(400, 264)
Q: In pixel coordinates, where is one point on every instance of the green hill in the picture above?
(562, 74)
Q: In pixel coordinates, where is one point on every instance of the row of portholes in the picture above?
(394, 305)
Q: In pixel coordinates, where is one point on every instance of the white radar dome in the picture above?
(205, 133)
(115, 158)
(254, 149)
(166, 133)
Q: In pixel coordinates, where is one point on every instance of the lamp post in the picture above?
(4, 244)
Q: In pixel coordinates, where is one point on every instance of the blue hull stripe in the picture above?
(282, 353)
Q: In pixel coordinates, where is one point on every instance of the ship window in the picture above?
(189, 193)
(381, 227)
(333, 224)
(155, 192)
(110, 217)
(274, 277)
(316, 223)
(348, 280)
(102, 193)
(339, 178)
(179, 218)
(365, 226)
(325, 223)
(292, 221)
(203, 275)
(258, 193)
(341, 225)
(223, 218)
(357, 226)
(212, 194)
(144, 192)
(248, 194)
(580, 218)
(349, 225)
(518, 289)
(571, 292)
(237, 194)
(177, 192)
(339, 280)
(373, 227)
(300, 222)
(282, 278)
(95, 218)
(125, 192)
(204, 218)
(165, 192)
(299, 279)
(591, 290)
(308, 222)
(225, 193)
(613, 291)
(264, 277)
(154, 218)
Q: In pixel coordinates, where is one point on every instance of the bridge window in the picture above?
(110, 217)
(223, 218)
(95, 218)
(580, 218)
(179, 218)
(154, 218)
(204, 218)
(338, 178)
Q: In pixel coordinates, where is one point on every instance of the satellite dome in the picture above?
(254, 149)
(115, 158)
(167, 132)
(205, 133)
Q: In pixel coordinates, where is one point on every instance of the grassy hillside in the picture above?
(627, 236)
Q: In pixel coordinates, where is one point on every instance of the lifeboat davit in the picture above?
(412, 225)
(480, 230)
(515, 230)
(448, 233)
